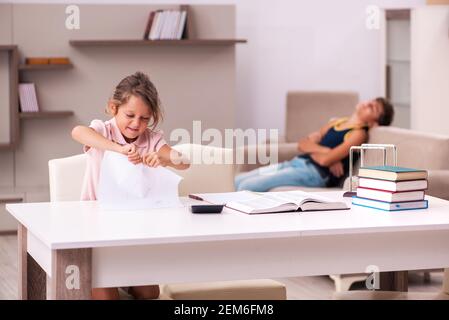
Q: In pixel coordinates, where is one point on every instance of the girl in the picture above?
(136, 112)
(326, 152)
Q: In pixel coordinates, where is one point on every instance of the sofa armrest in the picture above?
(288, 150)
(281, 139)
(439, 184)
(285, 151)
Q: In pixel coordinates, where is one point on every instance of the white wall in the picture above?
(305, 45)
(298, 45)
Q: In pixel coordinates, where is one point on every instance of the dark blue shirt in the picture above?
(332, 139)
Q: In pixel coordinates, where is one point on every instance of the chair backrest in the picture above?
(66, 177)
(67, 174)
(307, 111)
(203, 176)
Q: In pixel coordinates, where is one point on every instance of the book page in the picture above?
(298, 197)
(261, 202)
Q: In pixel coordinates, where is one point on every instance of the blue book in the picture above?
(390, 206)
(392, 173)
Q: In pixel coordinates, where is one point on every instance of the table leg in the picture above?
(71, 275)
(32, 278)
(394, 281)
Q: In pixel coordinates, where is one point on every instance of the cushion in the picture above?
(124, 295)
(227, 290)
(389, 295)
(307, 111)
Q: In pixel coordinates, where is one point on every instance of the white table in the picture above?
(118, 248)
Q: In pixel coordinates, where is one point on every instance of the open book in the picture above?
(270, 202)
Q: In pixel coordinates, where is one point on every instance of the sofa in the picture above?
(415, 149)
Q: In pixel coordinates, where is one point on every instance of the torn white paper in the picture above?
(126, 186)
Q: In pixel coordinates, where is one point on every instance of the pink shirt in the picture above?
(149, 141)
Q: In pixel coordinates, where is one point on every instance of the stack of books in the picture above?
(391, 188)
(165, 25)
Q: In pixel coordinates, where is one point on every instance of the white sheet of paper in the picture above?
(126, 186)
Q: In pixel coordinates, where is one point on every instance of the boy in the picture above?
(325, 161)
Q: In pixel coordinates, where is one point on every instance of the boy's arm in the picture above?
(310, 144)
(356, 138)
(91, 138)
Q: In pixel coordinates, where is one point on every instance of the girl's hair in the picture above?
(139, 85)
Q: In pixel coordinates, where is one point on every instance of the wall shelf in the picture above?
(7, 47)
(45, 114)
(130, 42)
(5, 146)
(10, 199)
(33, 67)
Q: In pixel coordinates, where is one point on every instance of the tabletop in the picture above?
(84, 224)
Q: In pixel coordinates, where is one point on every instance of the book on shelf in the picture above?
(181, 25)
(392, 173)
(59, 60)
(155, 26)
(271, 202)
(28, 97)
(390, 196)
(46, 60)
(389, 206)
(410, 185)
(165, 25)
(37, 60)
(146, 34)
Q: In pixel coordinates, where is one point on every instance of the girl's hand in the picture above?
(134, 157)
(126, 149)
(130, 150)
(153, 159)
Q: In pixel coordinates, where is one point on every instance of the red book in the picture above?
(390, 196)
(149, 23)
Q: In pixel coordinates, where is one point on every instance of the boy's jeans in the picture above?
(296, 172)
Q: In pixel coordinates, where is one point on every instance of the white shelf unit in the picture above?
(398, 64)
